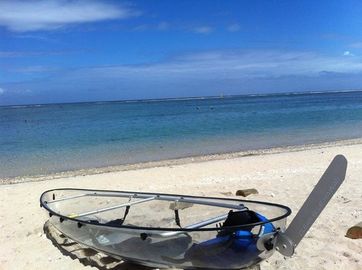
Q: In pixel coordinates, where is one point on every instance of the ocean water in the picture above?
(41, 139)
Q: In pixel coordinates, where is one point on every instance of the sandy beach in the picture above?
(285, 176)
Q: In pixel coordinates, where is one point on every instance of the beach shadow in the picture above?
(86, 256)
(91, 257)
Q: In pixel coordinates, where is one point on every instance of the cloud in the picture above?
(335, 37)
(348, 53)
(236, 64)
(2, 91)
(232, 64)
(36, 37)
(9, 54)
(233, 27)
(202, 29)
(32, 69)
(200, 73)
(141, 28)
(22, 16)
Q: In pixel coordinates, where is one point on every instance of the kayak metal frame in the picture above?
(196, 225)
(146, 196)
(162, 197)
(207, 222)
(67, 198)
(114, 207)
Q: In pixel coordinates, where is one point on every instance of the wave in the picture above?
(18, 106)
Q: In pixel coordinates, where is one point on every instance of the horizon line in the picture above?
(221, 96)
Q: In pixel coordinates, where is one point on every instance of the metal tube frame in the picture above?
(157, 197)
(196, 225)
(68, 198)
(113, 207)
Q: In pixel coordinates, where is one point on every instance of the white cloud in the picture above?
(348, 53)
(205, 73)
(233, 27)
(22, 16)
(203, 29)
(229, 65)
(2, 91)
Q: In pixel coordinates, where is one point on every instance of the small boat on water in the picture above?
(167, 230)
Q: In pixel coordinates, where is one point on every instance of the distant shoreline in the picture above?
(178, 161)
(165, 99)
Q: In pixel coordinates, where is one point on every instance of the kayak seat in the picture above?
(237, 218)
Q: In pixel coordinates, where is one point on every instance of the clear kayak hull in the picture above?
(166, 230)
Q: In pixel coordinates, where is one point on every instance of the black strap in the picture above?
(126, 213)
(177, 218)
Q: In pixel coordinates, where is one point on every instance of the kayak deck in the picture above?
(163, 230)
(179, 203)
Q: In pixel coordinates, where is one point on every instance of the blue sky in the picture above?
(68, 51)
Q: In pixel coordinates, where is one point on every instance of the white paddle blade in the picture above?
(313, 206)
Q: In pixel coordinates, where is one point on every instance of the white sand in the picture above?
(286, 178)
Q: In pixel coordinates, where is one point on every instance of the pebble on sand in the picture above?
(246, 192)
(355, 232)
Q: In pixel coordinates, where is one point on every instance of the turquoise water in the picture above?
(40, 139)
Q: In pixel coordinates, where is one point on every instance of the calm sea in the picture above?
(40, 139)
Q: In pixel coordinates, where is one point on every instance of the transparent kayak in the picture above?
(164, 230)
(188, 232)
